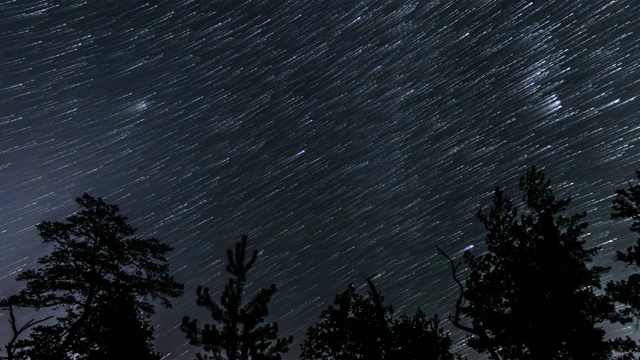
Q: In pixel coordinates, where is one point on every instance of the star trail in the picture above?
(345, 137)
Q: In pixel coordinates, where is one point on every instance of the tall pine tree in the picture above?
(239, 331)
(531, 294)
(93, 252)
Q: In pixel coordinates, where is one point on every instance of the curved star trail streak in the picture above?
(345, 137)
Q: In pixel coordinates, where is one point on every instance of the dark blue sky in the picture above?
(345, 137)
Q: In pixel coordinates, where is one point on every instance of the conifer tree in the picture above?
(348, 330)
(239, 331)
(531, 294)
(362, 327)
(626, 292)
(93, 253)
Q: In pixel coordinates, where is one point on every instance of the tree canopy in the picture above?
(531, 294)
(626, 292)
(95, 262)
(362, 327)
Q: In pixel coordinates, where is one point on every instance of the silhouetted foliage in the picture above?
(120, 330)
(96, 267)
(626, 292)
(239, 331)
(12, 345)
(531, 295)
(358, 327)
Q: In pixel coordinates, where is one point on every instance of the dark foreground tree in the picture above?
(239, 331)
(120, 329)
(359, 327)
(626, 292)
(531, 295)
(95, 266)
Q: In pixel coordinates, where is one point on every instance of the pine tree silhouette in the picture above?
(239, 331)
(94, 252)
(531, 295)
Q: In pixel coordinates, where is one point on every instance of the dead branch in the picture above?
(17, 331)
(455, 319)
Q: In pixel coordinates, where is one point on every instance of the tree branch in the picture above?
(380, 318)
(16, 332)
(455, 319)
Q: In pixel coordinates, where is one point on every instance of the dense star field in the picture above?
(345, 137)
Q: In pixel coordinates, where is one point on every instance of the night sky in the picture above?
(345, 137)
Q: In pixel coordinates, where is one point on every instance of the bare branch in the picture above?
(16, 332)
(382, 322)
(455, 319)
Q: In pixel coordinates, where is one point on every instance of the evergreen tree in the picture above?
(359, 327)
(626, 292)
(239, 331)
(418, 337)
(531, 295)
(94, 252)
(348, 331)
